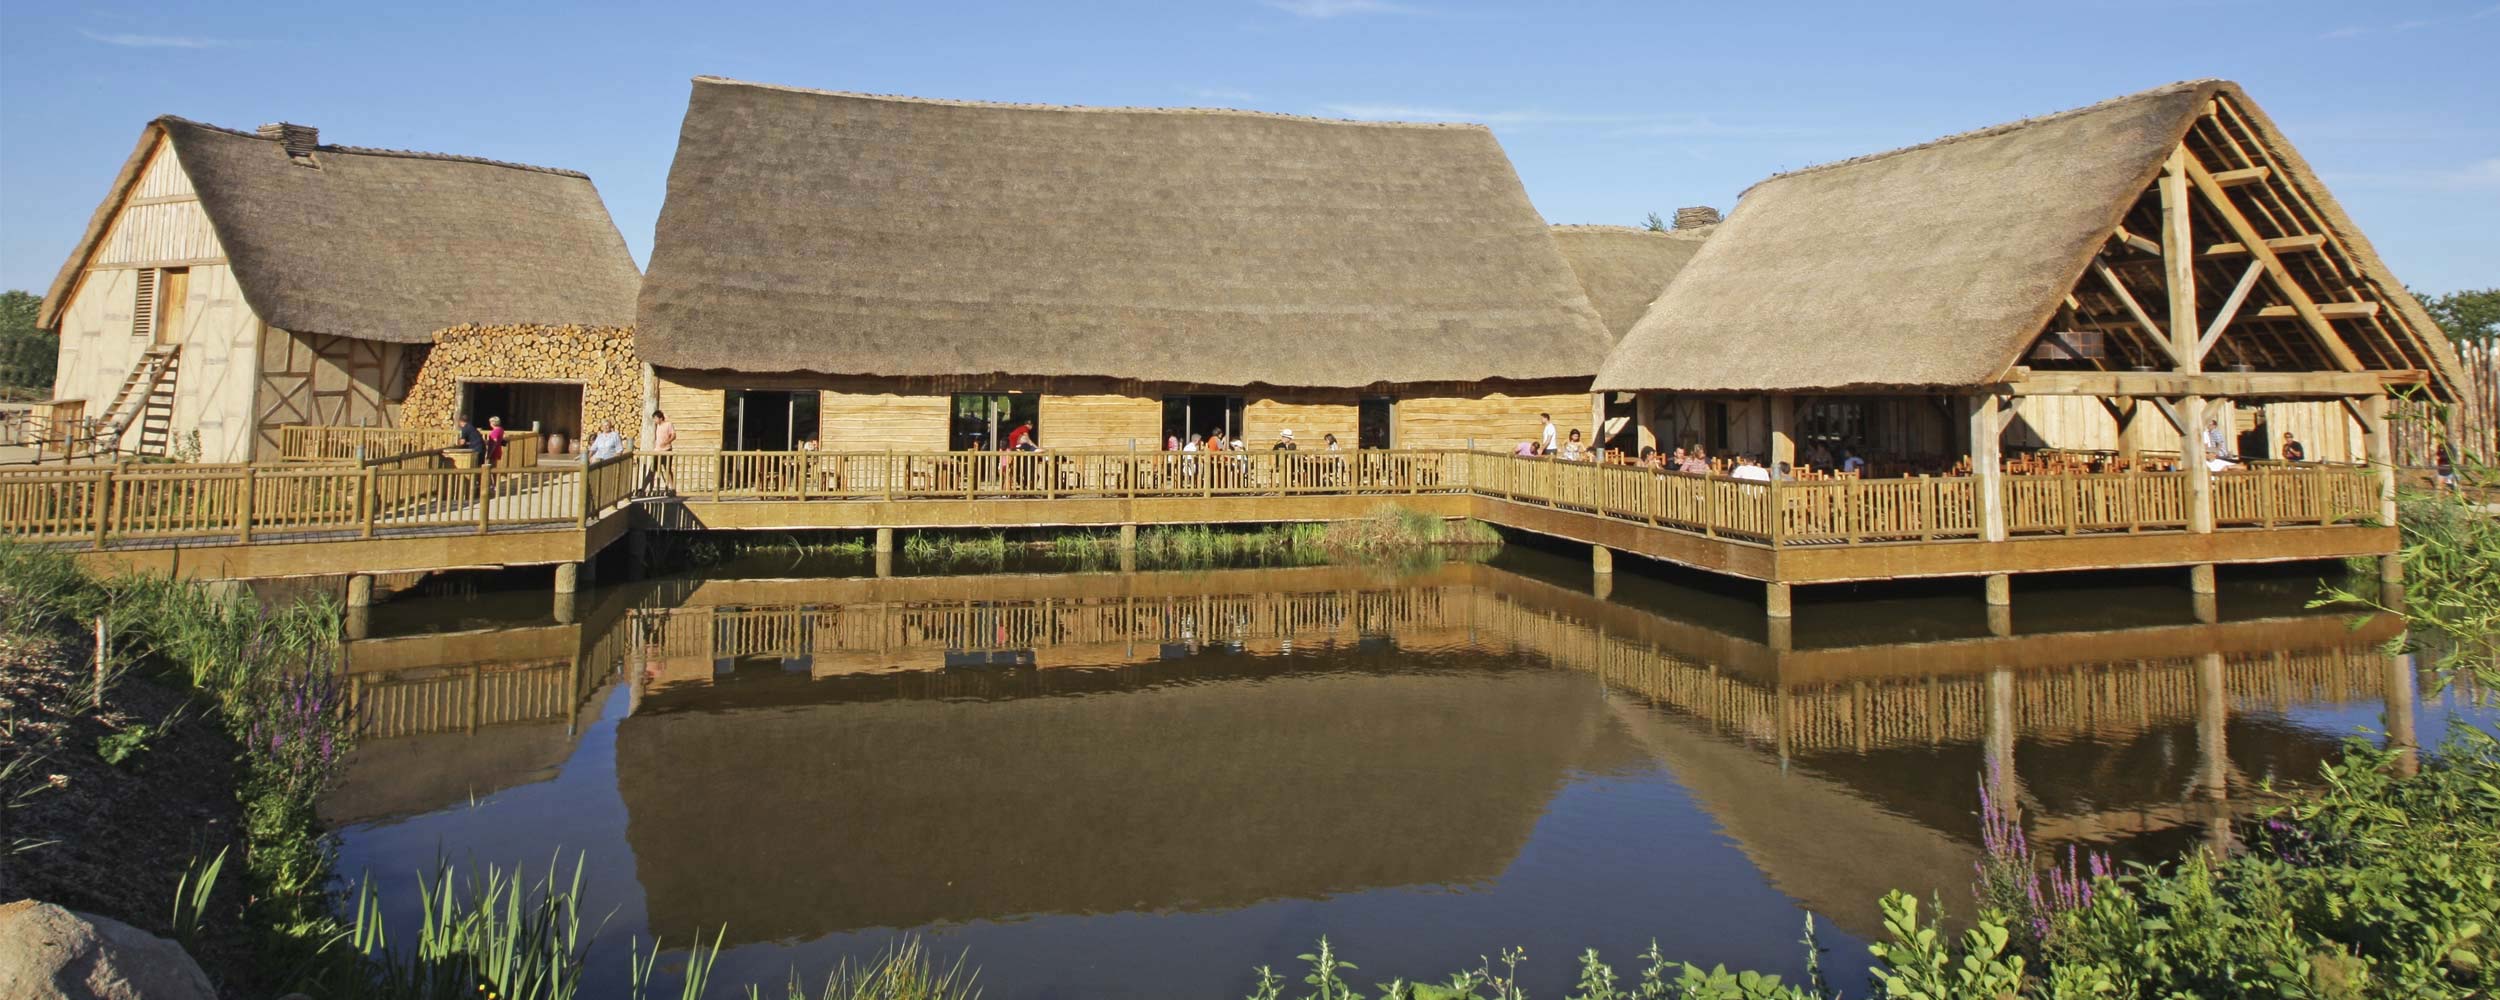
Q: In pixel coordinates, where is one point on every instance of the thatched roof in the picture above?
(389, 245)
(1623, 269)
(857, 234)
(1937, 265)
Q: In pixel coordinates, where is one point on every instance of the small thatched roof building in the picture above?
(1623, 269)
(270, 279)
(1940, 265)
(954, 242)
(386, 244)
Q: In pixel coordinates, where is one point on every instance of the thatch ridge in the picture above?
(388, 245)
(818, 231)
(950, 102)
(372, 150)
(2206, 84)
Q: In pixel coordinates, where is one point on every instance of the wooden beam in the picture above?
(2059, 339)
(2330, 310)
(2178, 255)
(2138, 242)
(2230, 311)
(2170, 413)
(2279, 244)
(2316, 385)
(2220, 200)
(2151, 331)
(2242, 176)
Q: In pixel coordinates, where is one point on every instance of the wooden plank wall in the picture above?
(1309, 413)
(1494, 420)
(315, 378)
(1100, 421)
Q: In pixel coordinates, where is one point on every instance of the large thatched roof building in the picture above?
(257, 279)
(1246, 272)
(1984, 258)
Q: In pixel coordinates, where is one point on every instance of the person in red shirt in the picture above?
(1021, 436)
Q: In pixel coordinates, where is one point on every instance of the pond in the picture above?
(1147, 784)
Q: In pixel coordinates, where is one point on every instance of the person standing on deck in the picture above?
(1284, 441)
(606, 444)
(2214, 438)
(2291, 450)
(663, 433)
(470, 440)
(1545, 437)
(494, 441)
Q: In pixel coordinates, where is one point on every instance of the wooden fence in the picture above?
(2471, 421)
(240, 502)
(318, 443)
(807, 475)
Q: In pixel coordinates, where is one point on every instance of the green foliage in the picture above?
(902, 972)
(131, 741)
(1655, 223)
(28, 356)
(2378, 883)
(2451, 559)
(192, 895)
(2471, 316)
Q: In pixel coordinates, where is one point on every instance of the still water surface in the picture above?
(1147, 784)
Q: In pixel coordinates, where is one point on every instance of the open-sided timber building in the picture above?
(892, 273)
(233, 283)
(2103, 279)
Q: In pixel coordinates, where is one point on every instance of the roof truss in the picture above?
(2223, 262)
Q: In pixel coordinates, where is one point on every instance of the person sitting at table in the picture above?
(1022, 436)
(1850, 462)
(1330, 440)
(1785, 473)
(1284, 441)
(606, 444)
(1748, 469)
(1696, 462)
(1571, 447)
(2291, 450)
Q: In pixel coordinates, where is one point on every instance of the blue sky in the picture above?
(1610, 111)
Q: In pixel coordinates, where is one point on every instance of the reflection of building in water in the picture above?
(906, 724)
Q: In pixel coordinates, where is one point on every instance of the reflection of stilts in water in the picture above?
(2398, 721)
(2213, 757)
(1999, 744)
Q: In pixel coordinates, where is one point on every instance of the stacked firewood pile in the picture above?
(601, 358)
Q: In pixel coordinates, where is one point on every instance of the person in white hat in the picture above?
(1284, 440)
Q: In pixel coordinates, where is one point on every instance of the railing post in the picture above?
(485, 495)
(103, 504)
(365, 500)
(1779, 514)
(889, 473)
(587, 502)
(243, 524)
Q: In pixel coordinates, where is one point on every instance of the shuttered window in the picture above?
(143, 305)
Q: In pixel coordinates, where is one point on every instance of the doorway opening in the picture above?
(1375, 419)
(1615, 429)
(983, 419)
(767, 419)
(1184, 416)
(550, 408)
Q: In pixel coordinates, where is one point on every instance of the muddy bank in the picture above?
(105, 838)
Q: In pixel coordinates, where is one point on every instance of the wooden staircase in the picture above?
(147, 399)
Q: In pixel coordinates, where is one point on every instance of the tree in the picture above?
(1655, 224)
(28, 355)
(2470, 317)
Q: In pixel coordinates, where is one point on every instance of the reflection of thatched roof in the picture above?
(1623, 269)
(902, 813)
(848, 233)
(405, 776)
(390, 245)
(1937, 265)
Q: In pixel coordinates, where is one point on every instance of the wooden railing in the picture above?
(747, 475)
(316, 443)
(414, 490)
(160, 502)
(2268, 495)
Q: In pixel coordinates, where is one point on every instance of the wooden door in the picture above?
(173, 292)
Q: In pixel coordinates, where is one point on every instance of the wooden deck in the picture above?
(246, 521)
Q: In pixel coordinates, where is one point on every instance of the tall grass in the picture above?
(2451, 594)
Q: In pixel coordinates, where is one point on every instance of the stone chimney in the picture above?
(301, 140)
(1696, 216)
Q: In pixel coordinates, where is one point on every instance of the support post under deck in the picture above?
(1775, 600)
